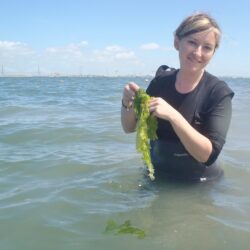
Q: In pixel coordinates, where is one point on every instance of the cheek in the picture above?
(183, 50)
(187, 49)
(208, 57)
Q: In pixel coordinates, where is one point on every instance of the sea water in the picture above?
(67, 168)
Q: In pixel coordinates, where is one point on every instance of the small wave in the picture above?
(235, 224)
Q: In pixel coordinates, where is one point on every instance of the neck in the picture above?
(186, 81)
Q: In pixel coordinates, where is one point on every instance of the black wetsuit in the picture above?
(207, 108)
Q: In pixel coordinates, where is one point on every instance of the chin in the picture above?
(195, 69)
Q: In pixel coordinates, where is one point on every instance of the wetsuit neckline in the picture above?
(194, 89)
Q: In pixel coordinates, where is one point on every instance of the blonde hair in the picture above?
(198, 22)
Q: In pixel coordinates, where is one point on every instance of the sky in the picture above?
(111, 37)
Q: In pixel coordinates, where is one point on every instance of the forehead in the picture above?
(204, 37)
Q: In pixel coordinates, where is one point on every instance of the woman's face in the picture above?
(196, 50)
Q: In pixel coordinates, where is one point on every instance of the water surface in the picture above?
(66, 168)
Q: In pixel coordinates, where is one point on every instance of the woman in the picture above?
(193, 107)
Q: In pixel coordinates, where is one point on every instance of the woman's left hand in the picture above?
(161, 109)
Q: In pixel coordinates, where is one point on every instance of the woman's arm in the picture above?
(128, 118)
(217, 125)
(199, 146)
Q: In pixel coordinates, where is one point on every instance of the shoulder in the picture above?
(164, 71)
(163, 76)
(216, 87)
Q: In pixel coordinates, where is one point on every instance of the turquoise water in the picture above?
(66, 168)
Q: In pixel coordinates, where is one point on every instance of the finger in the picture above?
(151, 109)
(153, 102)
(153, 114)
(128, 92)
(133, 86)
(128, 97)
(130, 88)
(154, 99)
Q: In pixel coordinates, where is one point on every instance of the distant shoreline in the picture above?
(79, 76)
(97, 76)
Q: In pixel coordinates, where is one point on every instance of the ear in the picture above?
(176, 42)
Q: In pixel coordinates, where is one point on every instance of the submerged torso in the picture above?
(168, 154)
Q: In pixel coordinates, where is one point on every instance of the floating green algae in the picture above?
(125, 228)
(146, 128)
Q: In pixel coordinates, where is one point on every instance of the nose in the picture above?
(198, 51)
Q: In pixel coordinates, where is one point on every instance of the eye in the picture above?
(192, 42)
(208, 48)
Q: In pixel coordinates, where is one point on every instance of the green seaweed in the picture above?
(125, 228)
(146, 128)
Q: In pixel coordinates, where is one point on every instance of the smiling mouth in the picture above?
(193, 60)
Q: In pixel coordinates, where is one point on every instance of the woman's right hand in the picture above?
(128, 118)
(129, 93)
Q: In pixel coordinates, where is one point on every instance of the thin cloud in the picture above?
(156, 46)
(10, 49)
(69, 50)
(125, 55)
(113, 53)
(17, 57)
(150, 46)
